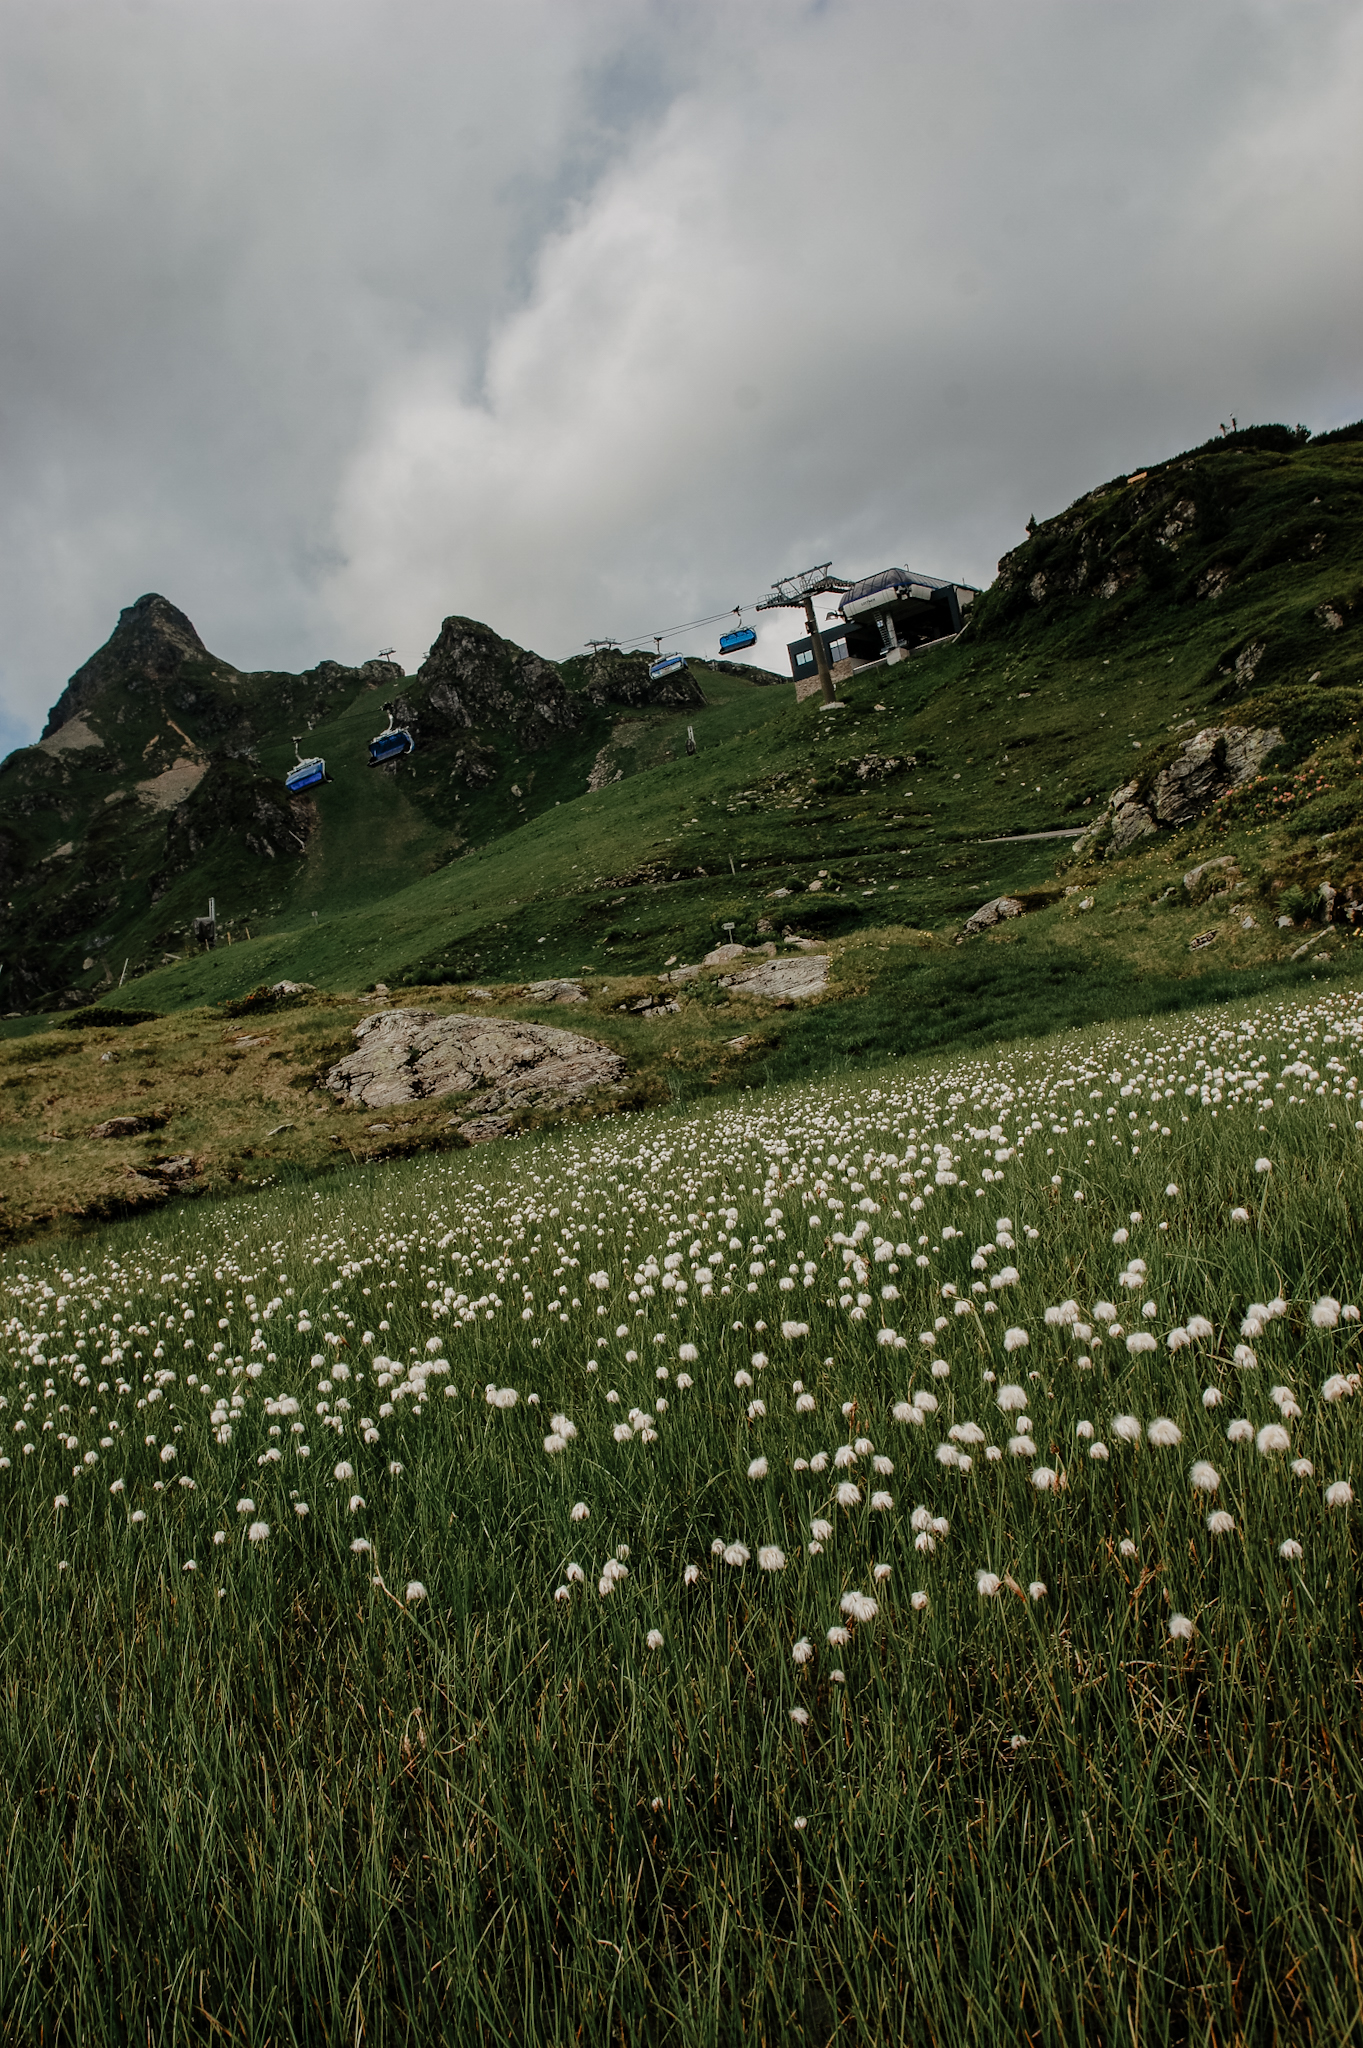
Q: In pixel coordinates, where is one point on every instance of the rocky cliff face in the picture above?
(610, 676)
(153, 642)
(474, 678)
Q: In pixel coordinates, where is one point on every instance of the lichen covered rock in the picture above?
(507, 1067)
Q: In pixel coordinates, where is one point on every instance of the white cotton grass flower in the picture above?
(1164, 1434)
(1338, 1494)
(690, 1575)
(654, 1639)
(881, 1572)
(1180, 1628)
(800, 1716)
(1037, 1590)
(988, 1585)
(300, 1508)
(1239, 1215)
(1140, 1340)
(1211, 1397)
(1245, 1357)
(1015, 1340)
(1127, 1427)
(1127, 1547)
(361, 1546)
(860, 1606)
(415, 1593)
(848, 1494)
(1220, 1523)
(803, 1651)
(344, 1470)
(839, 1636)
(771, 1558)
(1204, 1478)
(757, 1469)
(575, 1575)
(246, 1506)
(1240, 1431)
(1325, 1313)
(820, 1530)
(257, 1532)
(918, 1601)
(1272, 1438)
(1198, 1327)
(1044, 1479)
(1302, 1468)
(1263, 1166)
(1099, 1452)
(736, 1554)
(357, 1501)
(579, 1511)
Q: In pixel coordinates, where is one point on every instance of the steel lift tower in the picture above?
(795, 593)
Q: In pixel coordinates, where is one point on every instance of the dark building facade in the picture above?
(884, 617)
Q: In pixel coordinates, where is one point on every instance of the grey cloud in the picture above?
(329, 320)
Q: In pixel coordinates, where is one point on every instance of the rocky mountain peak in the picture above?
(153, 642)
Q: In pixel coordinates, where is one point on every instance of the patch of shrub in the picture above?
(84, 1020)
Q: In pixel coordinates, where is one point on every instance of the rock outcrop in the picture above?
(1209, 765)
(775, 981)
(614, 677)
(473, 678)
(504, 1067)
(990, 913)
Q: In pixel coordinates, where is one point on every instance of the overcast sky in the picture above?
(327, 319)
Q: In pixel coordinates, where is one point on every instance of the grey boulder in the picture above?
(419, 1055)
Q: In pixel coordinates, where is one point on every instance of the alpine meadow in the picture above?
(693, 1373)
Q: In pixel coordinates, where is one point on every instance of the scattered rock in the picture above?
(737, 1044)
(415, 1055)
(720, 956)
(183, 1168)
(991, 912)
(1202, 939)
(555, 992)
(280, 989)
(1211, 877)
(680, 974)
(279, 1130)
(1285, 924)
(778, 980)
(131, 1126)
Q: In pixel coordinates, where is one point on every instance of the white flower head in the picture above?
(1272, 1438)
(1180, 1628)
(1338, 1494)
(988, 1585)
(1164, 1434)
(1220, 1523)
(1204, 1478)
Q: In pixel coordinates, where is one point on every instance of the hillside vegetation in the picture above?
(552, 823)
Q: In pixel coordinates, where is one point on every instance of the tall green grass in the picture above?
(273, 1800)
